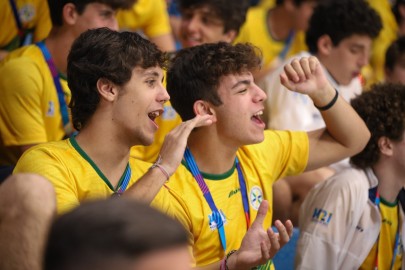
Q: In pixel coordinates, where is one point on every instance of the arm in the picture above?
(171, 154)
(345, 133)
(326, 224)
(21, 104)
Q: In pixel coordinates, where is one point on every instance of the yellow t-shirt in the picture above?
(29, 104)
(34, 16)
(73, 174)
(149, 16)
(280, 154)
(386, 242)
(255, 31)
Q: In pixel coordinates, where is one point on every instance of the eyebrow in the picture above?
(244, 82)
(357, 46)
(151, 73)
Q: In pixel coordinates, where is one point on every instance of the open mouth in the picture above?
(257, 118)
(153, 115)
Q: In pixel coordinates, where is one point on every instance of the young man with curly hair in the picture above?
(340, 35)
(355, 219)
(230, 166)
(202, 21)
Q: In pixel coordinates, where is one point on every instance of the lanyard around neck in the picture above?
(208, 197)
(397, 236)
(125, 181)
(58, 86)
(24, 35)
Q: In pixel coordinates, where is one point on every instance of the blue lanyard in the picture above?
(287, 45)
(397, 237)
(125, 182)
(58, 86)
(217, 215)
(25, 38)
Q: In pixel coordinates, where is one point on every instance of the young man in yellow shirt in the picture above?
(230, 166)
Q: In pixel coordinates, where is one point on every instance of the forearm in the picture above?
(148, 186)
(345, 135)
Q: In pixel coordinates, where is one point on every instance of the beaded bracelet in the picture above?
(224, 265)
(162, 169)
(330, 104)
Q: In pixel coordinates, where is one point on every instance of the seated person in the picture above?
(354, 220)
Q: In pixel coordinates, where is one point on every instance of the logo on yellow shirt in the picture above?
(51, 109)
(255, 197)
(27, 13)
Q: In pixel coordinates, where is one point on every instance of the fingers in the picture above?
(261, 214)
(300, 70)
(274, 242)
(284, 233)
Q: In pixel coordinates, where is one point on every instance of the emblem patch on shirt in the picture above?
(215, 219)
(51, 109)
(27, 13)
(321, 216)
(255, 197)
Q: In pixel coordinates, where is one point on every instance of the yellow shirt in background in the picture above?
(34, 15)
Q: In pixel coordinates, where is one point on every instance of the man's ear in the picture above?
(203, 108)
(230, 36)
(325, 45)
(385, 145)
(107, 89)
(69, 14)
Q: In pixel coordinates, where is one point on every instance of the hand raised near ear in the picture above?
(175, 142)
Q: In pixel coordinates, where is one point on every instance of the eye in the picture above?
(151, 83)
(242, 91)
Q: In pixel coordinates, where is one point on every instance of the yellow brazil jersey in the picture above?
(29, 105)
(149, 16)
(386, 240)
(280, 154)
(34, 17)
(73, 174)
(255, 31)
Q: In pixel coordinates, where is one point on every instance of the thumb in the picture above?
(261, 214)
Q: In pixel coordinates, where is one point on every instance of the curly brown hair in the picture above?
(104, 53)
(383, 110)
(194, 73)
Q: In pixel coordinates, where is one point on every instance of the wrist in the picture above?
(324, 97)
(230, 262)
(327, 101)
(158, 165)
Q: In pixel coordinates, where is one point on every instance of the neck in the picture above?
(105, 148)
(58, 43)
(279, 26)
(389, 181)
(211, 154)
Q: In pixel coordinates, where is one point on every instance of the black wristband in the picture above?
(330, 104)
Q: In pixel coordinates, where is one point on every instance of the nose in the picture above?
(191, 24)
(259, 94)
(163, 95)
(113, 24)
(363, 59)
